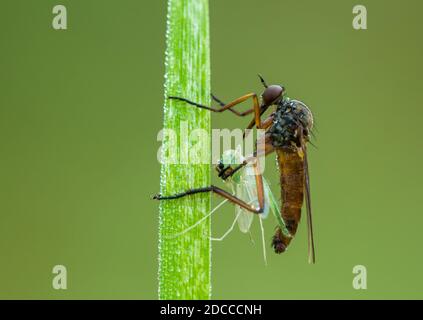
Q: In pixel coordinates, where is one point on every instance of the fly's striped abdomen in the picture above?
(291, 166)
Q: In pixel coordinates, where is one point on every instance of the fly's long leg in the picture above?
(225, 173)
(219, 192)
(240, 114)
(225, 194)
(256, 106)
(259, 180)
(222, 104)
(265, 124)
(253, 122)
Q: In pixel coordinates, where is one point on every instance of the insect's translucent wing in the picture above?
(240, 188)
(271, 203)
(244, 186)
(274, 206)
(245, 218)
(247, 191)
(311, 253)
(306, 116)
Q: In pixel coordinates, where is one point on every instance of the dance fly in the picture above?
(287, 131)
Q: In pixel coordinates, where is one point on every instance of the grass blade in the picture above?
(184, 262)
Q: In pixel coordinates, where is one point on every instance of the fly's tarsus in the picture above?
(183, 194)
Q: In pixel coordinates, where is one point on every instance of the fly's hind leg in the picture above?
(219, 192)
(226, 195)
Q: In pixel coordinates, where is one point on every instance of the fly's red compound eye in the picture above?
(272, 94)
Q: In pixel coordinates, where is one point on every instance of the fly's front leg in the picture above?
(201, 106)
(256, 106)
(258, 110)
(265, 141)
(222, 104)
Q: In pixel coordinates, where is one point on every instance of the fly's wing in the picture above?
(274, 207)
(247, 191)
(241, 186)
(306, 112)
(244, 186)
(311, 253)
(245, 217)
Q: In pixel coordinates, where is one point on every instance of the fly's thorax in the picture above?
(292, 120)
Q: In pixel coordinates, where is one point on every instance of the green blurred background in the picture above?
(80, 111)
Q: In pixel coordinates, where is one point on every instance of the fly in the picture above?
(287, 132)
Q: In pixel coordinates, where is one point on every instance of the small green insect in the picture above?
(244, 187)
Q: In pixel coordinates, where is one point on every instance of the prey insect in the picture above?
(243, 186)
(287, 132)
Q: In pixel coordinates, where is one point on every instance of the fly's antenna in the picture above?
(262, 81)
(197, 223)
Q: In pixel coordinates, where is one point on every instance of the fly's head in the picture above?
(273, 95)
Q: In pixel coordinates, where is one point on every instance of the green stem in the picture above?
(184, 261)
